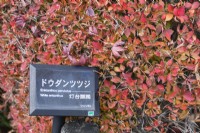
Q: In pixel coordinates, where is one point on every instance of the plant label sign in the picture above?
(63, 90)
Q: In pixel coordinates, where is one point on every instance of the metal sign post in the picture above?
(58, 122)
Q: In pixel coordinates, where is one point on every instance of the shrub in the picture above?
(147, 54)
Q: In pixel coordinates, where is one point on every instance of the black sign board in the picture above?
(63, 90)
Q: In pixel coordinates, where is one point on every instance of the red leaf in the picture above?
(158, 70)
(1, 107)
(102, 2)
(51, 39)
(198, 23)
(82, 60)
(73, 1)
(129, 64)
(144, 87)
(125, 94)
(147, 43)
(195, 5)
(130, 112)
(188, 96)
(157, 6)
(161, 87)
(156, 123)
(143, 18)
(117, 48)
(107, 83)
(39, 2)
(168, 33)
(190, 66)
(151, 27)
(20, 128)
(188, 5)
(125, 102)
(179, 11)
(142, 2)
(112, 104)
(23, 66)
(140, 102)
(95, 62)
(183, 18)
(53, 8)
(184, 107)
(121, 60)
(163, 78)
(163, 17)
(152, 91)
(127, 32)
(97, 46)
(159, 43)
(176, 90)
(129, 80)
(170, 8)
(148, 82)
(116, 79)
(90, 12)
(148, 128)
(169, 77)
(159, 29)
(169, 62)
(119, 109)
(113, 91)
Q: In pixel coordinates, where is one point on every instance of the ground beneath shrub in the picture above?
(79, 126)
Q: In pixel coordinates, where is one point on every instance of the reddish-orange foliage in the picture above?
(148, 54)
